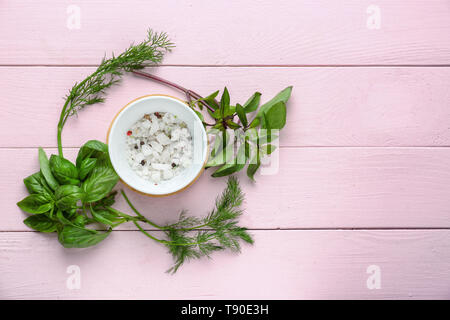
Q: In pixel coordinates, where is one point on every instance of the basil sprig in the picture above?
(252, 138)
(59, 194)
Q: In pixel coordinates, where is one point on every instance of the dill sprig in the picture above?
(92, 89)
(194, 238)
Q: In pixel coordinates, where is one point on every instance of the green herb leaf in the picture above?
(216, 114)
(200, 115)
(77, 237)
(275, 116)
(252, 103)
(232, 125)
(45, 170)
(87, 165)
(230, 111)
(105, 202)
(41, 223)
(80, 220)
(264, 137)
(100, 182)
(36, 203)
(253, 166)
(36, 184)
(67, 196)
(224, 102)
(223, 156)
(63, 170)
(282, 96)
(210, 100)
(92, 149)
(227, 169)
(255, 122)
(241, 114)
(106, 217)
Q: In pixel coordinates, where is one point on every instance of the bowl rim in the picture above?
(163, 194)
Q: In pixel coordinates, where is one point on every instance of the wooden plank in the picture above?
(314, 188)
(320, 32)
(281, 265)
(329, 106)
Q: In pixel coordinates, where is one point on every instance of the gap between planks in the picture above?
(241, 65)
(275, 229)
(281, 147)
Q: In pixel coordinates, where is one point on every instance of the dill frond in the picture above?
(92, 89)
(218, 231)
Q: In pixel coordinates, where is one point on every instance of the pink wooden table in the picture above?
(360, 207)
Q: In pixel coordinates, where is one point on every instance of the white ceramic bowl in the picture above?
(134, 111)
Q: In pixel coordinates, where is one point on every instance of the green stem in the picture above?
(149, 235)
(139, 214)
(144, 219)
(121, 214)
(171, 243)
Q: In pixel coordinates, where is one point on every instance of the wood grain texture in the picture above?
(365, 147)
(329, 106)
(320, 32)
(314, 188)
(281, 265)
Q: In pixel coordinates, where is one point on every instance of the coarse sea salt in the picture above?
(159, 146)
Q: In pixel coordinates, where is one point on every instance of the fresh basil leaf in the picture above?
(67, 196)
(100, 182)
(50, 214)
(210, 100)
(265, 137)
(77, 237)
(63, 170)
(45, 170)
(222, 157)
(241, 114)
(224, 102)
(253, 166)
(81, 220)
(41, 222)
(36, 184)
(106, 217)
(282, 96)
(86, 167)
(252, 103)
(36, 203)
(70, 213)
(224, 151)
(62, 218)
(199, 115)
(232, 125)
(229, 111)
(221, 139)
(212, 96)
(227, 169)
(255, 122)
(216, 114)
(107, 201)
(92, 149)
(275, 116)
